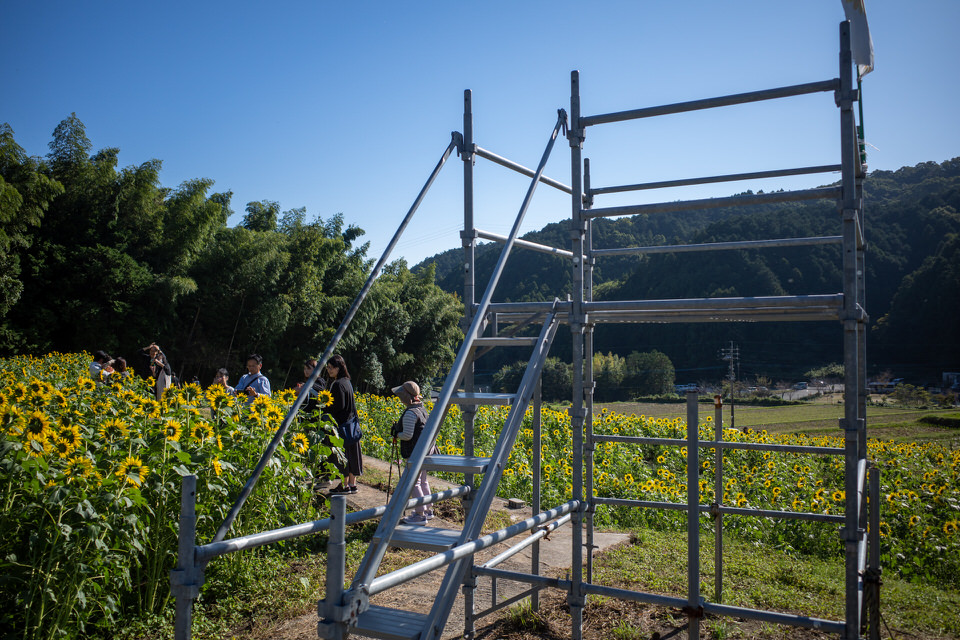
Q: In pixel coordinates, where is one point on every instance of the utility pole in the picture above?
(732, 355)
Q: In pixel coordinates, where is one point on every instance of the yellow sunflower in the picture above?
(217, 467)
(37, 399)
(133, 470)
(62, 448)
(70, 433)
(325, 398)
(114, 429)
(86, 384)
(57, 399)
(38, 448)
(37, 426)
(78, 466)
(172, 430)
(300, 443)
(201, 431)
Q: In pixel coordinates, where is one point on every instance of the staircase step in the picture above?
(505, 341)
(417, 536)
(455, 464)
(391, 624)
(482, 398)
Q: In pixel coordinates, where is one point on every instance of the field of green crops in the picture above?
(90, 484)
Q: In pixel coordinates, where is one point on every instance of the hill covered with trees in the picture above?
(913, 278)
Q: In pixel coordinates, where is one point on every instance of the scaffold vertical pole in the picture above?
(694, 610)
(575, 598)
(851, 338)
(718, 497)
(186, 579)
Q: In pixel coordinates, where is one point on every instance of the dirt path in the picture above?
(418, 595)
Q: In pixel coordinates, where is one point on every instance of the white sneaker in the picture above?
(414, 518)
(428, 514)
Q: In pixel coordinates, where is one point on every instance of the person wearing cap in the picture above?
(408, 429)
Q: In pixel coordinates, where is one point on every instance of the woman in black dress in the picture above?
(342, 410)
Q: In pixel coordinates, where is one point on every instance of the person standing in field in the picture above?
(253, 383)
(408, 429)
(343, 410)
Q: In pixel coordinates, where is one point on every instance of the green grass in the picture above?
(764, 578)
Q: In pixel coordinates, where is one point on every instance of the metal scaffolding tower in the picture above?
(489, 325)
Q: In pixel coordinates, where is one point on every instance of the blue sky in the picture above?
(346, 107)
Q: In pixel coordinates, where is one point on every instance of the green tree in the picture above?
(650, 373)
(410, 331)
(261, 216)
(609, 372)
(921, 323)
(556, 378)
(25, 194)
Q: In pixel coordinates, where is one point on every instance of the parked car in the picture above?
(800, 386)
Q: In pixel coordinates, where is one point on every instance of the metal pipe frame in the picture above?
(821, 193)
(331, 624)
(718, 498)
(693, 609)
(375, 552)
(526, 578)
(537, 483)
(394, 578)
(848, 308)
(344, 324)
(724, 444)
(187, 578)
(720, 246)
(719, 304)
(695, 317)
(519, 168)
(719, 508)
(732, 177)
(711, 103)
(208, 552)
(691, 316)
(526, 542)
(498, 459)
(493, 608)
(542, 248)
(830, 626)
(577, 317)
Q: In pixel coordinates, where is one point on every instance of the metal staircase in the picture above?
(349, 612)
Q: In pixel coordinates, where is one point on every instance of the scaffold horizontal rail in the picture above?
(822, 193)
(721, 246)
(737, 511)
(721, 444)
(519, 168)
(710, 103)
(756, 303)
(730, 177)
(542, 248)
(830, 626)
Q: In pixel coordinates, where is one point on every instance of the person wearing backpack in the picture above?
(407, 429)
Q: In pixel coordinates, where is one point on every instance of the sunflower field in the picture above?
(90, 483)
(920, 482)
(90, 486)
